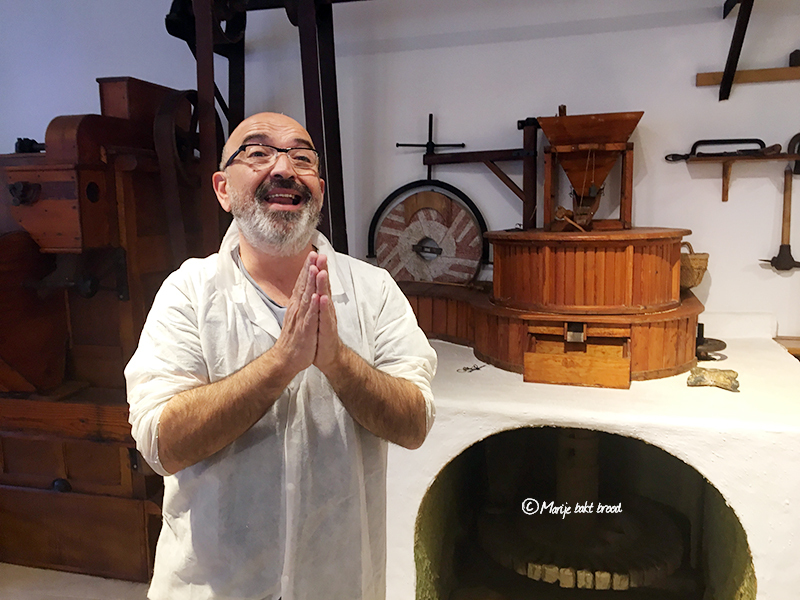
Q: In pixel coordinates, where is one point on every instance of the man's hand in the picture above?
(199, 422)
(329, 344)
(389, 407)
(297, 344)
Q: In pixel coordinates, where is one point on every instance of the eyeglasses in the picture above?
(264, 155)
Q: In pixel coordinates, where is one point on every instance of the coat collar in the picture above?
(244, 294)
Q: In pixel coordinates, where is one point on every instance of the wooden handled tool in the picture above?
(784, 260)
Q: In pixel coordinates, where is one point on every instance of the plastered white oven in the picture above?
(745, 444)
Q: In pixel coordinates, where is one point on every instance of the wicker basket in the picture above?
(693, 267)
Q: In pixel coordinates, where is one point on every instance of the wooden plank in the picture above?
(54, 528)
(619, 278)
(497, 272)
(560, 276)
(600, 260)
(425, 316)
(517, 339)
(451, 158)
(671, 349)
(452, 317)
(482, 332)
(549, 193)
(413, 301)
(439, 323)
(655, 344)
(464, 311)
(675, 265)
(100, 365)
(502, 338)
(569, 275)
(589, 296)
(750, 76)
(93, 413)
(628, 282)
(54, 224)
(549, 283)
(791, 343)
(638, 278)
(636, 349)
(577, 369)
(607, 331)
(546, 328)
(646, 279)
(580, 276)
(626, 193)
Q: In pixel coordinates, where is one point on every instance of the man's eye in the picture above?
(257, 154)
(302, 158)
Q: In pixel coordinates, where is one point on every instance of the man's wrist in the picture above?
(340, 366)
(277, 368)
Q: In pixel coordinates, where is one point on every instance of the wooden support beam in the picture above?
(505, 179)
(742, 19)
(458, 158)
(209, 207)
(315, 24)
(750, 76)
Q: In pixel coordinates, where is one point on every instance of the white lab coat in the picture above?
(294, 508)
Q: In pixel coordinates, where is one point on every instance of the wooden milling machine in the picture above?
(582, 301)
(104, 214)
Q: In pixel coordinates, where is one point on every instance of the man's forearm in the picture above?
(199, 422)
(390, 407)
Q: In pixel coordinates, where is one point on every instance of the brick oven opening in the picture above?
(557, 513)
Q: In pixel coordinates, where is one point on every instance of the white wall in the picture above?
(479, 67)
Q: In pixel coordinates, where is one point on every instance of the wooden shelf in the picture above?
(727, 164)
(750, 76)
(792, 344)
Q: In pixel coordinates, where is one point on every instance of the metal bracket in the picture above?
(24, 193)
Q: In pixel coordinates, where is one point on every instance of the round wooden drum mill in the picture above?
(601, 299)
(602, 305)
(580, 302)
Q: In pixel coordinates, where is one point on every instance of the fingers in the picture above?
(301, 285)
(329, 344)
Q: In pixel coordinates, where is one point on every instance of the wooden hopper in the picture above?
(587, 144)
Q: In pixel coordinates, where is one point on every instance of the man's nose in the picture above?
(283, 166)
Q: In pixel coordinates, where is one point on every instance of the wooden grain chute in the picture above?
(587, 147)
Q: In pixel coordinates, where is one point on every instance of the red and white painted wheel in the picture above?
(428, 236)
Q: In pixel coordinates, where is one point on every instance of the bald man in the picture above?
(268, 380)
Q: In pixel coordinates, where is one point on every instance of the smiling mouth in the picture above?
(283, 193)
(285, 199)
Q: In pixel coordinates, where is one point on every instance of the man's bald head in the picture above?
(265, 128)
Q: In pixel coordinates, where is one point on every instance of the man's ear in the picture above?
(220, 181)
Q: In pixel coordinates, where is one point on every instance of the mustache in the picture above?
(263, 190)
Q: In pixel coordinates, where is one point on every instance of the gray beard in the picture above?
(275, 232)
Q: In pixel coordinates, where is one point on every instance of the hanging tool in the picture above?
(760, 150)
(784, 261)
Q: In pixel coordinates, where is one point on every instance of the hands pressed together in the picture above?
(310, 335)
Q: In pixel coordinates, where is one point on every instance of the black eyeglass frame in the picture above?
(243, 147)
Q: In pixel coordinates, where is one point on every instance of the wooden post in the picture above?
(626, 199)
(209, 207)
